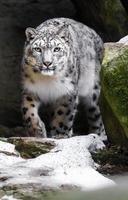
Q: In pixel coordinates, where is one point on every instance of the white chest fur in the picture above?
(49, 89)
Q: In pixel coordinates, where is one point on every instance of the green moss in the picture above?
(115, 84)
(114, 156)
(20, 192)
(112, 160)
(114, 129)
(30, 148)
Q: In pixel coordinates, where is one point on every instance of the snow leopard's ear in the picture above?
(64, 33)
(30, 33)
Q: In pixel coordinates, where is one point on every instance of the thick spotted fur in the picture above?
(61, 63)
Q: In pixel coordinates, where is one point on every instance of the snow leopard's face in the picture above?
(47, 53)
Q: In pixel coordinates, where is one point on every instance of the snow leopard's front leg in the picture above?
(63, 116)
(35, 127)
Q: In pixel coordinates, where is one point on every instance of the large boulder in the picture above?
(115, 92)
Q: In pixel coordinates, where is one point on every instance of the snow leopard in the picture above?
(61, 64)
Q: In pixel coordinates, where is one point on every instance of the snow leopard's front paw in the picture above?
(37, 129)
(59, 135)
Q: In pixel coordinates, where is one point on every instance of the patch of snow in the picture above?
(6, 160)
(124, 40)
(85, 178)
(7, 147)
(68, 163)
(5, 197)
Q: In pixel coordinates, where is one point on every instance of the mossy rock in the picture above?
(31, 147)
(19, 192)
(113, 160)
(114, 79)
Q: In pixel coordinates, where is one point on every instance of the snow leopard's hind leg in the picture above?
(92, 100)
(93, 113)
(63, 117)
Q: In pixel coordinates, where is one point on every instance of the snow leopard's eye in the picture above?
(57, 49)
(37, 49)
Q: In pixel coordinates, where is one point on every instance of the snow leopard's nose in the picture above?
(47, 64)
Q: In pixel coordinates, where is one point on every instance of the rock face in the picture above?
(115, 92)
(107, 17)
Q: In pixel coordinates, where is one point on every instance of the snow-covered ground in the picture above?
(8, 197)
(68, 164)
(124, 40)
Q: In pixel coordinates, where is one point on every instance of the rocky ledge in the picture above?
(33, 166)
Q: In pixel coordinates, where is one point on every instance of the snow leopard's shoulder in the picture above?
(77, 29)
(57, 23)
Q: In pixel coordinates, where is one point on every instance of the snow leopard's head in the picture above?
(47, 51)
